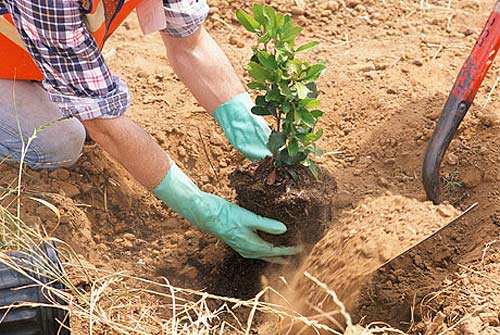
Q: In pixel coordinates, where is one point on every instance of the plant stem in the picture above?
(278, 120)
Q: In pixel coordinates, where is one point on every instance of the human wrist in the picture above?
(247, 132)
(182, 195)
(243, 101)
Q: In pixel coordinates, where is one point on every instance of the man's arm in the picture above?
(152, 167)
(132, 147)
(79, 81)
(206, 71)
(204, 68)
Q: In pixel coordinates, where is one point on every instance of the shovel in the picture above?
(442, 248)
(459, 101)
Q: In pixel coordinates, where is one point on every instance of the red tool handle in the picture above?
(479, 62)
(459, 101)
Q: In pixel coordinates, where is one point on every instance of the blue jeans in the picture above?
(24, 108)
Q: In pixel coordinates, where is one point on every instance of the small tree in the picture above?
(286, 86)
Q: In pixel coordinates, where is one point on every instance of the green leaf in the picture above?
(280, 20)
(284, 49)
(294, 175)
(307, 138)
(258, 12)
(260, 100)
(318, 152)
(309, 103)
(257, 86)
(259, 72)
(260, 110)
(247, 21)
(315, 71)
(294, 67)
(314, 170)
(276, 141)
(318, 134)
(287, 125)
(290, 34)
(272, 95)
(271, 107)
(293, 147)
(308, 46)
(265, 38)
(317, 113)
(302, 90)
(284, 89)
(297, 116)
(285, 158)
(270, 16)
(278, 74)
(254, 56)
(308, 119)
(266, 59)
(286, 107)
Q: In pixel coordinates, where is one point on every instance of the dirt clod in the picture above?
(471, 326)
(490, 318)
(472, 177)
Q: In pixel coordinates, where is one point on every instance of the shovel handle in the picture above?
(459, 101)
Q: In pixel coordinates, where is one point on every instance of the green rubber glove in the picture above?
(232, 224)
(247, 132)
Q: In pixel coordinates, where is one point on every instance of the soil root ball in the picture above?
(304, 206)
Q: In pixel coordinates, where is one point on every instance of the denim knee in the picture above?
(25, 110)
(59, 145)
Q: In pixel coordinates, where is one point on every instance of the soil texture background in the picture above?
(391, 66)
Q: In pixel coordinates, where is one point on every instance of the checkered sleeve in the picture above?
(75, 74)
(184, 17)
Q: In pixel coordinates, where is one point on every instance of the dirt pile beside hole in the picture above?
(363, 239)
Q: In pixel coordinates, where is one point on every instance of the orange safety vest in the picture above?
(102, 19)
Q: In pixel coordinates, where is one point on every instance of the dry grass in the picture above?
(472, 293)
(103, 302)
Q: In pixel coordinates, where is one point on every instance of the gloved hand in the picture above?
(247, 132)
(232, 224)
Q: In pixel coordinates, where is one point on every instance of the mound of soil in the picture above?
(365, 238)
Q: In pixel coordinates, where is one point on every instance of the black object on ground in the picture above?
(33, 286)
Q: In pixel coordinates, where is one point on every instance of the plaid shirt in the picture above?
(76, 75)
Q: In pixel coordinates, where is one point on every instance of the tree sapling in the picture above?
(286, 87)
(288, 186)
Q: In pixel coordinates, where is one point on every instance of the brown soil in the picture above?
(304, 206)
(391, 66)
(366, 237)
(469, 298)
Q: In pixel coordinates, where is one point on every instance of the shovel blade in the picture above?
(398, 286)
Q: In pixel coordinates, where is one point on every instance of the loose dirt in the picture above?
(366, 237)
(391, 65)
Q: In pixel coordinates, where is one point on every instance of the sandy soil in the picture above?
(377, 230)
(391, 65)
